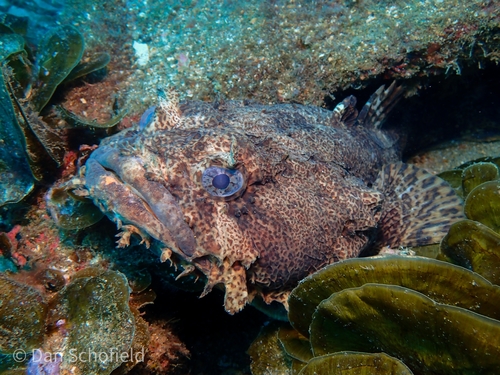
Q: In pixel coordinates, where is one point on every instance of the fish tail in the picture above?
(418, 207)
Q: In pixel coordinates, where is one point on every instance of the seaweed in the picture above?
(69, 210)
(355, 363)
(441, 281)
(424, 315)
(475, 243)
(35, 144)
(22, 316)
(16, 178)
(61, 53)
(95, 308)
(97, 62)
(430, 315)
(427, 336)
(75, 121)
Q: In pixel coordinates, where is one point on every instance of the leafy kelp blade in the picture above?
(16, 180)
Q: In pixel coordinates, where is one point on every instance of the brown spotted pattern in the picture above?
(306, 200)
(413, 192)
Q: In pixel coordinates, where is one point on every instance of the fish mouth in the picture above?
(147, 195)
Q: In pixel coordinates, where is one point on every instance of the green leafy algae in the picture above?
(61, 54)
(476, 174)
(435, 317)
(473, 245)
(441, 281)
(98, 61)
(4, 29)
(139, 344)
(467, 176)
(16, 180)
(267, 354)
(12, 24)
(454, 178)
(427, 336)
(41, 139)
(69, 210)
(11, 44)
(294, 344)
(355, 363)
(15, 372)
(27, 84)
(487, 159)
(483, 205)
(76, 121)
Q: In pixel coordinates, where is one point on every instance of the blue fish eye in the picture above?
(222, 182)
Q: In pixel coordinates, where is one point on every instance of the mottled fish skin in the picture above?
(305, 202)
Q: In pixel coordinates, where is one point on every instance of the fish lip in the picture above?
(156, 197)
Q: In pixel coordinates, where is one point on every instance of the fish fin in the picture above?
(376, 109)
(345, 112)
(418, 209)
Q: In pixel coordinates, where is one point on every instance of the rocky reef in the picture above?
(291, 50)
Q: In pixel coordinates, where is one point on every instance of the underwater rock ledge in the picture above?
(289, 51)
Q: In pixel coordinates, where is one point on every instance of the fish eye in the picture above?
(222, 182)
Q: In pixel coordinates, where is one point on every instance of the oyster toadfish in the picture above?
(256, 197)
